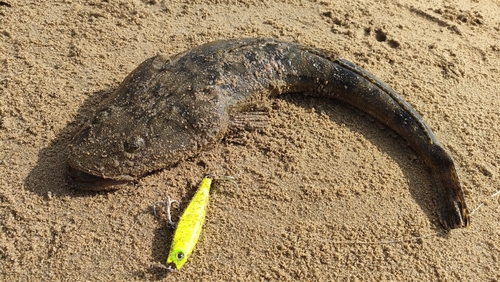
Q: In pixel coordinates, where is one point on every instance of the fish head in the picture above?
(153, 120)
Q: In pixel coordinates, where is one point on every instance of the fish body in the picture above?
(170, 108)
(189, 227)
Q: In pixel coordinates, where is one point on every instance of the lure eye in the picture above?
(179, 256)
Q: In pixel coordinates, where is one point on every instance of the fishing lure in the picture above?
(189, 226)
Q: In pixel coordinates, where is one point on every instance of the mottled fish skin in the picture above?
(169, 109)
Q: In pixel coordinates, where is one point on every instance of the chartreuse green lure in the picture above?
(189, 226)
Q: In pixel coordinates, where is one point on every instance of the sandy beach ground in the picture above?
(324, 192)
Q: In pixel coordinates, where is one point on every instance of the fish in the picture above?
(172, 107)
(188, 229)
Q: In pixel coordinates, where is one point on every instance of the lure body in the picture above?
(189, 226)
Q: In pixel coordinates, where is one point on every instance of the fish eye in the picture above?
(179, 256)
(133, 144)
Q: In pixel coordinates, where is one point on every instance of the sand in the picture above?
(324, 193)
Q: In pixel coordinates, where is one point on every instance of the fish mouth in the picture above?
(86, 181)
